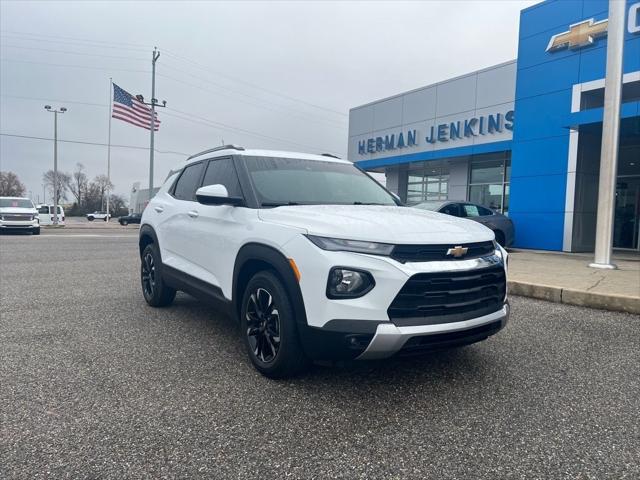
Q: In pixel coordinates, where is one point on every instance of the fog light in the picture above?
(348, 283)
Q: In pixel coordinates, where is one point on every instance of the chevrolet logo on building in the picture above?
(585, 33)
(458, 251)
(579, 35)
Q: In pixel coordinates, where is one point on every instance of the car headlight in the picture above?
(348, 283)
(501, 253)
(357, 246)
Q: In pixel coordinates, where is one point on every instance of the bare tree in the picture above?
(63, 181)
(103, 184)
(78, 184)
(117, 205)
(10, 185)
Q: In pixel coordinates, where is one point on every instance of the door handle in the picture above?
(159, 209)
(193, 214)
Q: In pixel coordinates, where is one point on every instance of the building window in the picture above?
(427, 181)
(489, 177)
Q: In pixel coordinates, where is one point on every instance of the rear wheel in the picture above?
(154, 290)
(90, 219)
(269, 328)
(105, 219)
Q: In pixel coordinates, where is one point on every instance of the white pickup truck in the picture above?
(98, 216)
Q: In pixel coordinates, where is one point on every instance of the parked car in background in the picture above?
(98, 216)
(131, 218)
(18, 213)
(501, 225)
(45, 213)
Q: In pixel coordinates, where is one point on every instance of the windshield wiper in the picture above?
(371, 203)
(277, 204)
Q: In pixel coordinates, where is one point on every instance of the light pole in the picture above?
(55, 159)
(152, 123)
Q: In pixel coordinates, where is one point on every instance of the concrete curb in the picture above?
(551, 293)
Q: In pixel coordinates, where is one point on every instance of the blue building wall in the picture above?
(544, 86)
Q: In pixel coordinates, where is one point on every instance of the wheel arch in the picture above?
(256, 257)
(147, 237)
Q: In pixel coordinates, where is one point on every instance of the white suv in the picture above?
(317, 261)
(18, 213)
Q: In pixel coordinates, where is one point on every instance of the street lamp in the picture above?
(55, 159)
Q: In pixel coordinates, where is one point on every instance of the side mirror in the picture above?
(216, 195)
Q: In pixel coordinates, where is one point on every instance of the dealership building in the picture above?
(522, 137)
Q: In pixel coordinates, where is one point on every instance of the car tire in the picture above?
(35, 231)
(105, 219)
(90, 219)
(124, 223)
(499, 238)
(268, 327)
(155, 291)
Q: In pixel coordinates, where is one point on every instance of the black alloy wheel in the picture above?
(268, 326)
(148, 274)
(155, 291)
(263, 325)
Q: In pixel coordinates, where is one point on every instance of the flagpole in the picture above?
(109, 145)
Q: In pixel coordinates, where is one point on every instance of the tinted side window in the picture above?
(187, 184)
(43, 209)
(451, 209)
(223, 172)
(484, 212)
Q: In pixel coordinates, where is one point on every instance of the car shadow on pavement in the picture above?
(397, 377)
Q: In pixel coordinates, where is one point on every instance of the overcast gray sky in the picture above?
(260, 74)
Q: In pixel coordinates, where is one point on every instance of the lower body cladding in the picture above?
(370, 340)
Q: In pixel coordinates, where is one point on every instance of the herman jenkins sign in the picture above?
(439, 133)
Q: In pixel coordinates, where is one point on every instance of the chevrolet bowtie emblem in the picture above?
(579, 35)
(457, 251)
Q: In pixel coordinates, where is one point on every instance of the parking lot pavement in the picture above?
(96, 384)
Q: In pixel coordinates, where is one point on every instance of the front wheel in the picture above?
(90, 219)
(269, 328)
(154, 290)
(124, 223)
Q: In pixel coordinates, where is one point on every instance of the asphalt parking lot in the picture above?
(96, 384)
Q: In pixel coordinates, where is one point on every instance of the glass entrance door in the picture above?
(626, 227)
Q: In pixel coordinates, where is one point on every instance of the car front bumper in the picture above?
(19, 225)
(390, 339)
(363, 327)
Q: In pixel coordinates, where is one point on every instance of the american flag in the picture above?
(128, 108)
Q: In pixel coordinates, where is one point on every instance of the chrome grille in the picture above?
(17, 217)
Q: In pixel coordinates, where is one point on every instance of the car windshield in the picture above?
(15, 203)
(293, 181)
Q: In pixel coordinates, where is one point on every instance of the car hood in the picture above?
(29, 211)
(378, 223)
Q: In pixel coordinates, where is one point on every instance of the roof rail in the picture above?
(330, 155)
(223, 147)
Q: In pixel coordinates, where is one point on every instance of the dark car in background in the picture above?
(501, 225)
(131, 218)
